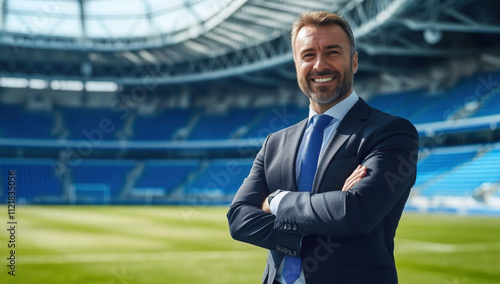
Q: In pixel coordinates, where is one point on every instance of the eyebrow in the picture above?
(331, 46)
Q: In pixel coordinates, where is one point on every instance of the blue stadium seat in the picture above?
(111, 174)
(165, 174)
(463, 180)
(393, 103)
(440, 163)
(451, 101)
(276, 119)
(222, 126)
(35, 178)
(92, 124)
(490, 106)
(161, 126)
(221, 176)
(20, 123)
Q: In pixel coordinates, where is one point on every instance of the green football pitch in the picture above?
(132, 244)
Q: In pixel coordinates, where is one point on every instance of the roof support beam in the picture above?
(3, 6)
(450, 27)
(81, 4)
(378, 50)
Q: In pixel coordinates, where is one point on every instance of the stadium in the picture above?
(128, 126)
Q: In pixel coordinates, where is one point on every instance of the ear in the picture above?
(355, 63)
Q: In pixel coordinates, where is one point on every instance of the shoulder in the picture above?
(285, 136)
(292, 129)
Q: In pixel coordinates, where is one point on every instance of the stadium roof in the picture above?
(191, 40)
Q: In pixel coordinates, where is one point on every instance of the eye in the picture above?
(333, 52)
(308, 55)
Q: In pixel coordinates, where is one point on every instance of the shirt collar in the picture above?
(339, 110)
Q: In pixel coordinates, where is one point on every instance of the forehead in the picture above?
(308, 36)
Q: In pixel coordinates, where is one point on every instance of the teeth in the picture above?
(321, 80)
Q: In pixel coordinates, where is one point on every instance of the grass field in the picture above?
(65, 244)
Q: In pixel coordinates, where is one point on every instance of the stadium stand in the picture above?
(421, 107)
(396, 103)
(274, 119)
(105, 176)
(220, 177)
(36, 178)
(81, 123)
(464, 179)
(21, 123)
(458, 171)
(161, 126)
(165, 175)
(489, 106)
(439, 163)
(221, 126)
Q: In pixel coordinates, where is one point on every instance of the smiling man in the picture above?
(325, 196)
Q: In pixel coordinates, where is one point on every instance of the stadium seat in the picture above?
(464, 179)
(21, 123)
(165, 175)
(222, 126)
(277, 118)
(161, 126)
(102, 175)
(37, 180)
(92, 124)
(438, 164)
(222, 176)
(490, 106)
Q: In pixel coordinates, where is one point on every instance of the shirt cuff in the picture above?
(275, 202)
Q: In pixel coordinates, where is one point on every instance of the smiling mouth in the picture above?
(323, 80)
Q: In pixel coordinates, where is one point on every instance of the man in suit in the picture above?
(325, 196)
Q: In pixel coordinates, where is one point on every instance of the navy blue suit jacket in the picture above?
(341, 236)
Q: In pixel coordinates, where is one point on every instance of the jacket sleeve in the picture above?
(248, 222)
(390, 157)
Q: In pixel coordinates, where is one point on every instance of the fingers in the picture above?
(265, 206)
(355, 177)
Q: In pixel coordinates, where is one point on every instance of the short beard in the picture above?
(344, 85)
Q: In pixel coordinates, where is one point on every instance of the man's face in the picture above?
(324, 66)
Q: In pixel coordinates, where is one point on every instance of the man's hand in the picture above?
(265, 205)
(355, 177)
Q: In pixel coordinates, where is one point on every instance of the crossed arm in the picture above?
(354, 178)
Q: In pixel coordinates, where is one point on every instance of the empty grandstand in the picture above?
(173, 109)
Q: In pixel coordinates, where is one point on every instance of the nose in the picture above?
(321, 63)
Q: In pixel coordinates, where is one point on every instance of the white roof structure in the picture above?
(193, 40)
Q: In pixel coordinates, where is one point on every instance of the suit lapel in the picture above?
(291, 149)
(351, 122)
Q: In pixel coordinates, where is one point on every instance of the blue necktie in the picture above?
(293, 265)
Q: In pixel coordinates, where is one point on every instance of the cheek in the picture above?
(303, 70)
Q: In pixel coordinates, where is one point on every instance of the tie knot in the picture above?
(321, 121)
